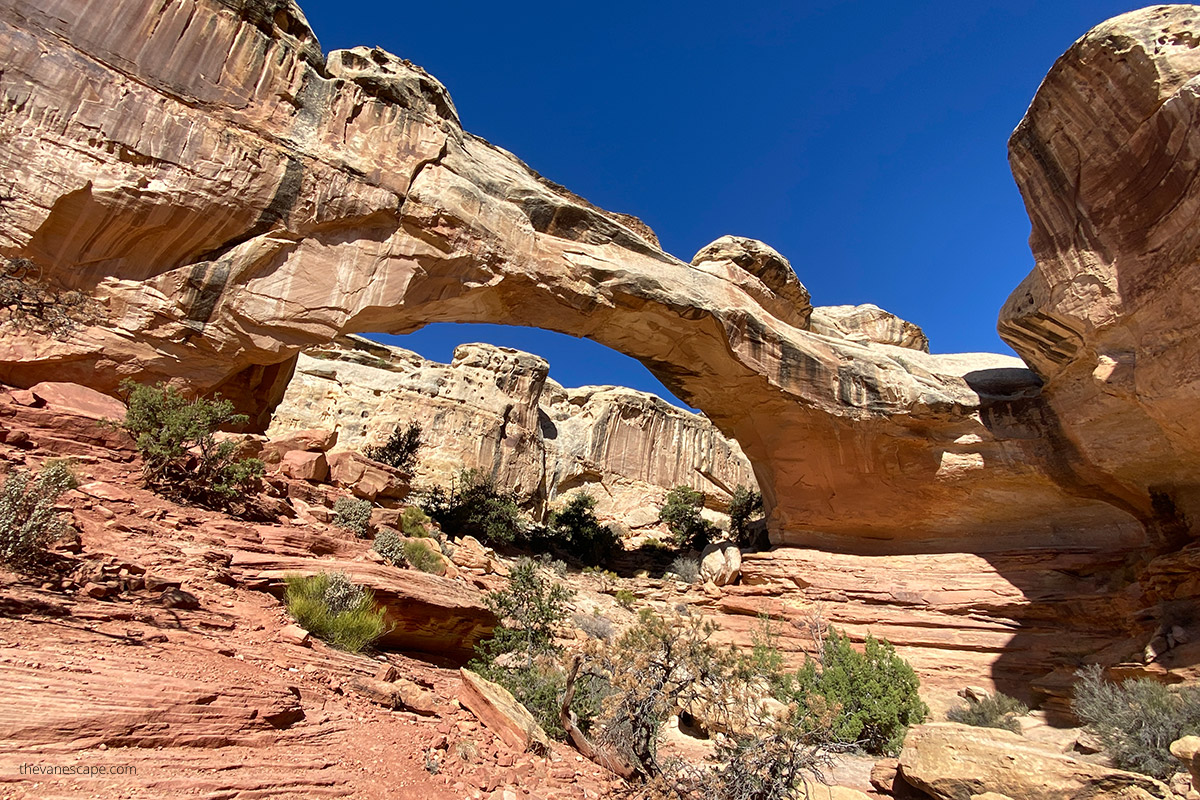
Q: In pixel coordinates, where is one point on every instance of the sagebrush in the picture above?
(992, 711)
(1137, 720)
(353, 515)
(335, 610)
(389, 544)
(28, 521)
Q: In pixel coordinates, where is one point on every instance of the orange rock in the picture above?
(501, 713)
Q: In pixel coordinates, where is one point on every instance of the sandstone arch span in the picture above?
(231, 196)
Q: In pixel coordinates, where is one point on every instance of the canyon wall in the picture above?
(495, 409)
(228, 196)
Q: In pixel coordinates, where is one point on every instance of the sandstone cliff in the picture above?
(1106, 159)
(495, 409)
(230, 197)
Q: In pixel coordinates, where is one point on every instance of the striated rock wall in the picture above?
(494, 408)
(1106, 159)
(230, 197)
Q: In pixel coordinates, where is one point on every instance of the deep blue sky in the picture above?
(866, 141)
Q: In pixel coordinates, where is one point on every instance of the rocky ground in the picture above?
(153, 657)
(150, 650)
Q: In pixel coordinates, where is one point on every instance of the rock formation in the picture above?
(1106, 160)
(959, 762)
(229, 197)
(495, 409)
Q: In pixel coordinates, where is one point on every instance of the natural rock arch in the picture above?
(231, 197)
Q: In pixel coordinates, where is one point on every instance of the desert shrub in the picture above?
(657, 666)
(390, 545)
(419, 556)
(28, 521)
(414, 521)
(530, 608)
(29, 303)
(625, 598)
(400, 450)
(873, 694)
(522, 656)
(353, 514)
(681, 513)
(769, 761)
(745, 505)
(595, 625)
(686, 568)
(335, 610)
(557, 566)
(994, 711)
(765, 662)
(475, 507)
(576, 530)
(1137, 720)
(181, 455)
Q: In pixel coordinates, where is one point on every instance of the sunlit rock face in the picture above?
(231, 197)
(494, 409)
(1107, 159)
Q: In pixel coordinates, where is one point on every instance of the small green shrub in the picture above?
(475, 507)
(994, 711)
(575, 530)
(745, 506)
(681, 513)
(625, 598)
(873, 694)
(419, 556)
(28, 521)
(400, 450)
(1137, 720)
(414, 521)
(389, 545)
(335, 610)
(686, 568)
(354, 515)
(181, 456)
(521, 655)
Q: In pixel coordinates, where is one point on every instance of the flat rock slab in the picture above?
(501, 713)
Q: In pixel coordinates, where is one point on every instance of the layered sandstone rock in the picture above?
(495, 409)
(961, 762)
(1106, 161)
(868, 323)
(230, 198)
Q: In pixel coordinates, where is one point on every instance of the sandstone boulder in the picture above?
(366, 478)
(957, 762)
(721, 563)
(867, 323)
(80, 400)
(424, 612)
(281, 442)
(470, 554)
(501, 713)
(1187, 750)
(305, 466)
